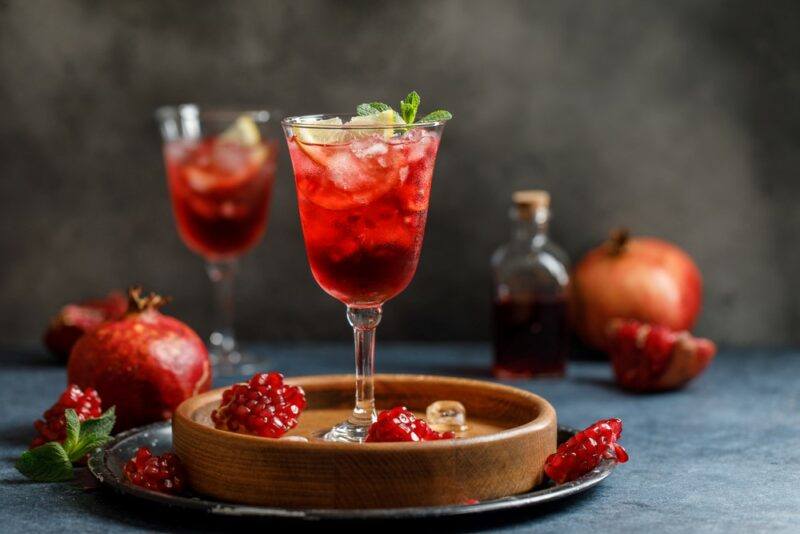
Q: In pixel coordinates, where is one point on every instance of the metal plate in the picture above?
(106, 465)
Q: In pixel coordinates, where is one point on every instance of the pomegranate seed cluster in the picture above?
(582, 452)
(648, 357)
(651, 344)
(264, 407)
(52, 426)
(400, 424)
(163, 473)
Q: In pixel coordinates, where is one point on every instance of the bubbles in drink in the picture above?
(447, 416)
(368, 148)
(343, 171)
(230, 158)
(200, 180)
(418, 150)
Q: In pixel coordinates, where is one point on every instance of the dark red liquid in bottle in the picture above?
(530, 338)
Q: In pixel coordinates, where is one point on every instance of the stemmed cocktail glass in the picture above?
(220, 170)
(363, 195)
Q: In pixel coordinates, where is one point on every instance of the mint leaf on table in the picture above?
(438, 115)
(73, 427)
(48, 463)
(93, 433)
(52, 462)
(409, 106)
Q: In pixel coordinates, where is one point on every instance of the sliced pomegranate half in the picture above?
(654, 358)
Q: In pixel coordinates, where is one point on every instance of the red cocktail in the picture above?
(363, 206)
(363, 188)
(220, 170)
(220, 193)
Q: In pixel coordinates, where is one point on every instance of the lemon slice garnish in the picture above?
(387, 117)
(243, 132)
(319, 136)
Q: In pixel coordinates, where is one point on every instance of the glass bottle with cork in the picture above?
(531, 281)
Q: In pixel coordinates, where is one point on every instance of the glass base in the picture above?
(347, 432)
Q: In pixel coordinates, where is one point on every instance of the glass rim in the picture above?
(230, 114)
(296, 122)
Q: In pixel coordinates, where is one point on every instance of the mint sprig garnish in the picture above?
(52, 462)
(408, 107)
(408, 110)
(371, 108)
(438, 115)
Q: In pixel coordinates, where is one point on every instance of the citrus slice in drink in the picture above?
(352, 174)
(308, 138)
(387, 117)
(242, 132)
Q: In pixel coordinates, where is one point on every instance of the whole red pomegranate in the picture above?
(74, 320)
(640, 278)
(145, 363)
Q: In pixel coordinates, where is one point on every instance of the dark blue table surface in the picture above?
(721, 455)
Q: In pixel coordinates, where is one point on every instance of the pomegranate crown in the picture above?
(618, 240)
(138, 302)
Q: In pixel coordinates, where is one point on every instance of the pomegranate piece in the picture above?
(654, 358)
(52, 426)
(400, 424)
(582, 452)
(264, 407)
(163, 473)
(74, 320)
(145, 363)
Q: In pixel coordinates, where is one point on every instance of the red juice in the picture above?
(220, 193)
(363, 206)
(530, 338)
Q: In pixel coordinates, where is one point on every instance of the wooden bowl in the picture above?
(511, 433)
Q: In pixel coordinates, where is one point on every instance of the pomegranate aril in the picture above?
(649, 357)
(52, 426)
(400, 424)
(163, 473)
(264, 406)
(583, 452)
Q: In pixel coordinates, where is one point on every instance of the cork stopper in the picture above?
(530, 203)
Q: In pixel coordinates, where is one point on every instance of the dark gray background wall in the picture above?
(678, 119)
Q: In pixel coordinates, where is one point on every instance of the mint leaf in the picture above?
(48, 463)
(408, 110)
(52, 462)
(438, 115)
(371, 108)
(408, 107)
(93, 433)
(73, 427)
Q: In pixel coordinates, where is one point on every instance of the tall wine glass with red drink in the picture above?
(363, 184)
(220, 170)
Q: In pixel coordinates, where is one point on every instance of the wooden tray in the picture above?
(511, 433)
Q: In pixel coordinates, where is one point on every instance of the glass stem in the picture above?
(222, 274)
(364, 322)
